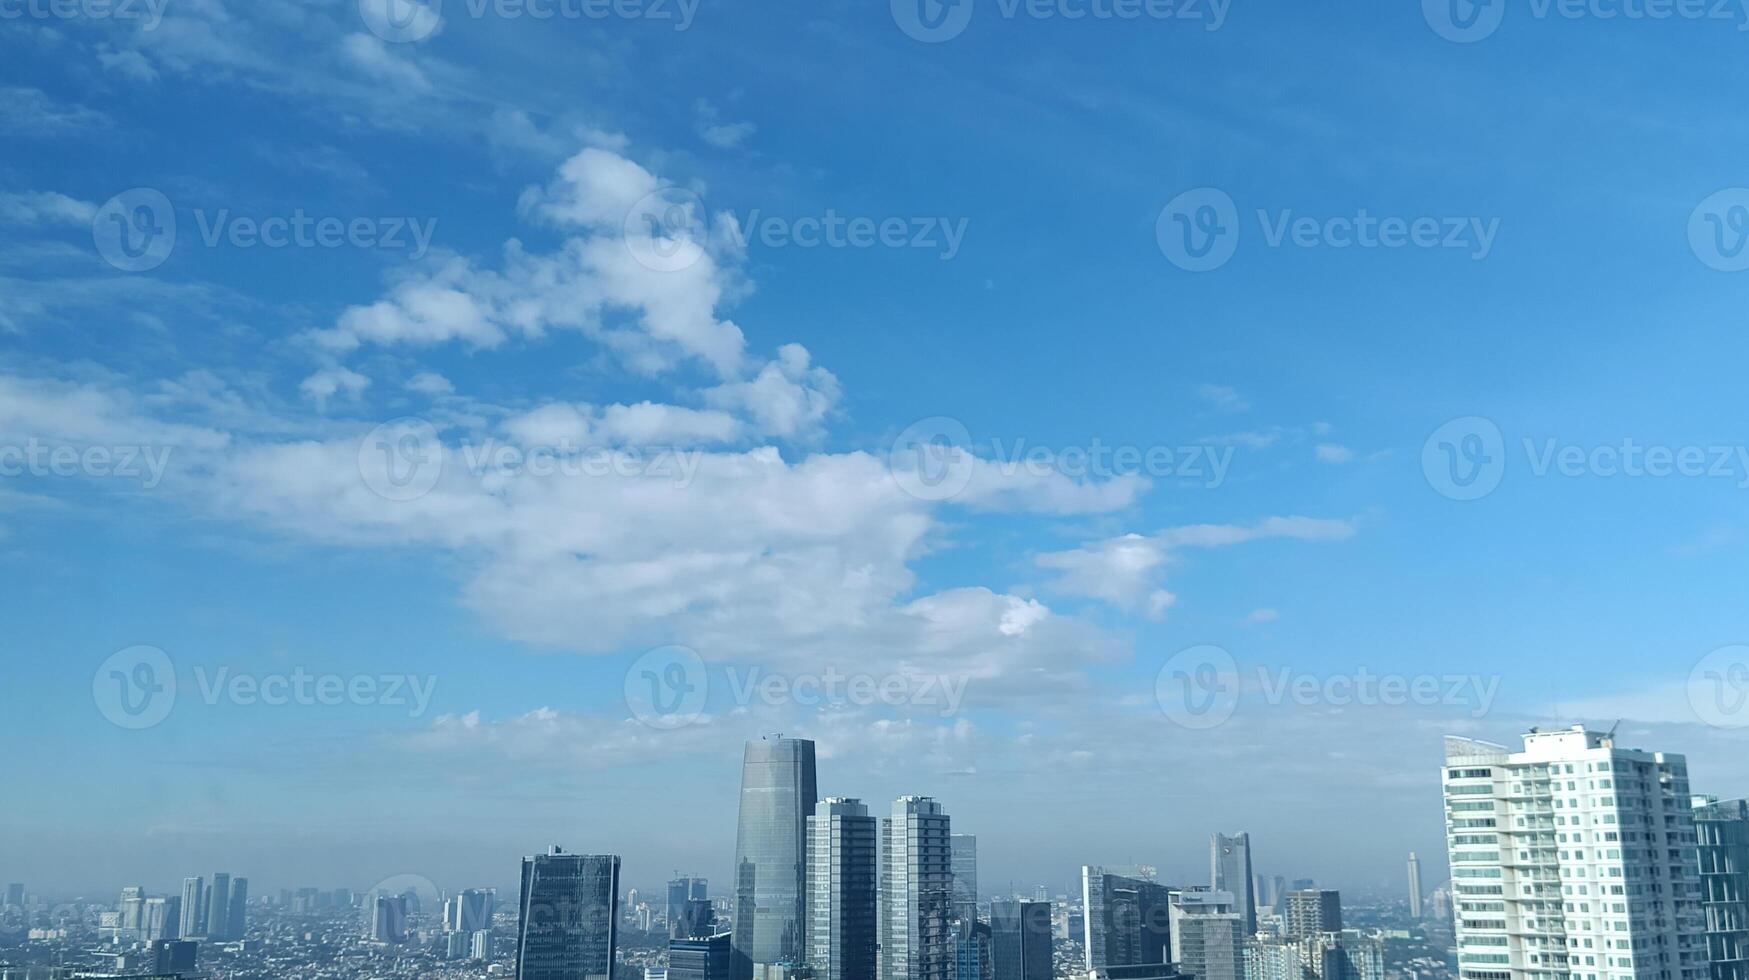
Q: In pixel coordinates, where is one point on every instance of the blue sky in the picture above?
(1586, 143)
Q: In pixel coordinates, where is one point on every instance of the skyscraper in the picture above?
(1230, 871)
(972, 954)
(777, 794)
(193, 908)
(1312, 912)
(695, 920)
(1020, 940)
(470, 910)
(1722, 831)
(965, 875)
(842, 890)
(1584, 854)
(218, 907)
(707, 958)
(1414, 886)
(686, 888)
(133, 913)
(916, 892)
(1208, 938)
(163, 918)
(15, 894)
(236, 919)
(1127, 919)
(388, 923)
(569, 916)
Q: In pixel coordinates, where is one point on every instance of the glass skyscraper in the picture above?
(965, 875)
(1723, 832)
(916, 892)
(218, 907)
(1230, 872)
(569, 916)
(1020, 940)
(1127, 919)
(842, 890)
(777, 794)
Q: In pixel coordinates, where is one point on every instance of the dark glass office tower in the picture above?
(680, 891)
(1021, 940)
(1128, 919)
(777, 794)
(237, 918)
(1723, 833)
(700, 959)
(570, 911)
(843, 890)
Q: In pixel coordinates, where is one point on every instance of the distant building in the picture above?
(843, 891)
(481, 947)
(687, 888)
(1021, 940)
(965, 875)
(469, 910)
(163, 919)
(710, 958)
(218, 907)
(388, 922)
(15, 895)
(1127, 919)
(1312, 912)
(1230, 871)
(1208, 935)
(569, 916)
(193, 908)
(971, 948)
(916, 892)
(696, 919)
(236, 919)
(1414, 886)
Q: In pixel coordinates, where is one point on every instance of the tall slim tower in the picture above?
(916, 892)
(193, 908)
(777, 794)
(965, 875)
(842, 896)
(1230, 871)
(236, 917)
(1414, 887)
(218, 907)
(569, 916)
(1584, 854)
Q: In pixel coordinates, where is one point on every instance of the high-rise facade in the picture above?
(843, 890)
(1312, 912)
(15, 894)
(1208, 937)
(1414, 886)
(1021, 940)
(1722, 834)
(163, 919)
(972, 956)
(470, 910)
(1573, 860)
(709, 958)
(965, 875)
(687, 888)
(569, 916)
(237, 915)
(218, 907)
(916, 892)
(388, 918)
(1127, 919)
(1230, 872)
(193, 907)
(777, 794)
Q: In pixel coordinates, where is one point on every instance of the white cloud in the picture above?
(329, 382)
(718, 133)
(1125, 571)
(1223, 398)
(430, 383)
(45, 208)
(1265, 615)
(1329, 452)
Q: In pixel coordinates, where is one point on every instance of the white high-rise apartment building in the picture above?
(1572, 860)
